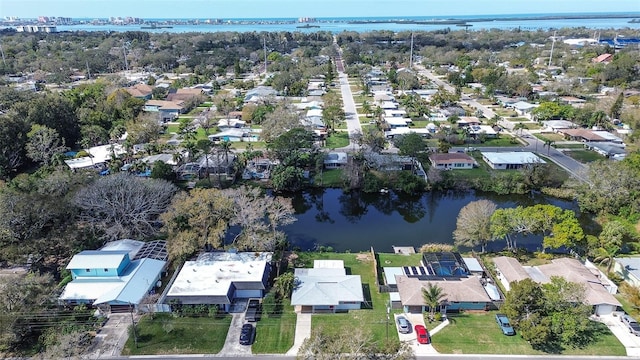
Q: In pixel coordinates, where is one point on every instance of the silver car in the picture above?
(404, 326)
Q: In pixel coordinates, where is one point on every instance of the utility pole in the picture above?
(133, 325)
(411, 54)
(388, 315)
(126, 65)
(264, 45)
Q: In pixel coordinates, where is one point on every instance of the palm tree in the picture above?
(378, 112)
(519, 127)
(433, 296)
(366, 108)
(606, 255)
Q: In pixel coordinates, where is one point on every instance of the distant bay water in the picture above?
(528, 22)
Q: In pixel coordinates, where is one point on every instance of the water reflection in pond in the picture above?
(356, 221)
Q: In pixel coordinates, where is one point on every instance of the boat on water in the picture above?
(307, 26)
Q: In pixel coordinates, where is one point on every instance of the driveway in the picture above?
(111, 337)
(303, 331)
(620, 330)
(410, 338)
(232, 345)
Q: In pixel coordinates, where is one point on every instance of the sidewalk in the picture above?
(303, 331)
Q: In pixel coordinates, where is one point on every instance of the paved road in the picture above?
(349, 105)
(429, 357)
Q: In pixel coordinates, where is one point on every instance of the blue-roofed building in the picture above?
(120, 274)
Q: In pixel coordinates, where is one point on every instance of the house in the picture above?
(117, 276)
(629, 269)
(397, 122)
(259, 93)
(510, 160)
(169, 110)
(389, 105)
(326, 288)
(217, 164)
(98, 157)
(140, 91)
(476, 131)
(334, 160)
(572, 100)
(404, 130)
(598, 288)
(221, 278)
(448, 270)
(233, 135)
(168, 159)
(466, 121)
(451, 161)
(231, 123)
(523, 108)
(557, 125)
(602, 59)
(390, 162)
(586, 135)
(607, 149)
(183, 94)
(396, 113)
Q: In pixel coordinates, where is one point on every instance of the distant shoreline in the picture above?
(454, 21)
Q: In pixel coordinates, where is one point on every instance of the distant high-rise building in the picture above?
(43, 19)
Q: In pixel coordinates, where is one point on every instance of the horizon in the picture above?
(286, 9)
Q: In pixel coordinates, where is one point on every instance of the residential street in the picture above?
(353, 123)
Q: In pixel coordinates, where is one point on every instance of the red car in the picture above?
(422, 334)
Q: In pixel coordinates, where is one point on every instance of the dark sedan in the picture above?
(247, 335)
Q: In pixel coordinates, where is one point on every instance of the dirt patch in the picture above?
(363, 257)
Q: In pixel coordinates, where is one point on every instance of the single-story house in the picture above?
(334, 160)
(169, 110)
(233, 135)
(98, 156)
(607, 149)
(217, 164)
(259, 93)
(231, 123)
(572, 100)
(466, 121)
(396, 122)
(482, 130)
(465, 293)
(396, 113)
(587, 135)
(183, 94)
(451, 161)
(220, 278)
(404, 130)
(168, 159)
(602, 59)
(598, 289)
(389, 105)
(140, 91)
(390, 162)
(380, 97)
(523, 107)
(326, 288)
(629, 269)
(510, 160)
(117, 276)
(557, 125)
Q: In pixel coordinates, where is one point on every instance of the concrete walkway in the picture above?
(232, 345)
(303, 331)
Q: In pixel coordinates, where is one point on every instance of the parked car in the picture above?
(505, 325)
(422, 334)
(404, 326)
(247, 334)
(631, 323)
(253, 310)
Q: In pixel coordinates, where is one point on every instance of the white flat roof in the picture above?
(513, 157)
(396, 121)
(210, 277)
(390, 274)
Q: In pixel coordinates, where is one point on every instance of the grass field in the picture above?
(478, 334)
(275, 333)
(584, 156)
(374, 315)
(165, 334)
(337, 140)
(331, 178)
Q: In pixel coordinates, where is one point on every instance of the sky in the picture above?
(297, 8)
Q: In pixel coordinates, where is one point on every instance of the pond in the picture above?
(355, 221)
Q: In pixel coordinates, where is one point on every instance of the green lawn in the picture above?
(165, 334)
(275, 333)
(375, 313)
(337, 140)
(396, 260)
(584, 156)
(479, 334)
(175, 128)
(331, 178)
(499, 142)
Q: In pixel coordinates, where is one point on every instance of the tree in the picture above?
(610, 243)
(225, 103)
(616, 108)
(282, 119)
(13, 138)
(44, 143)
(162, 170)
(283, 285)
(616, 193)
(433, 296)
(123, 205)
(366, 108)
(473, 226)
(353, 343)
(548, 144)
(411, 144)
(197, 220)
